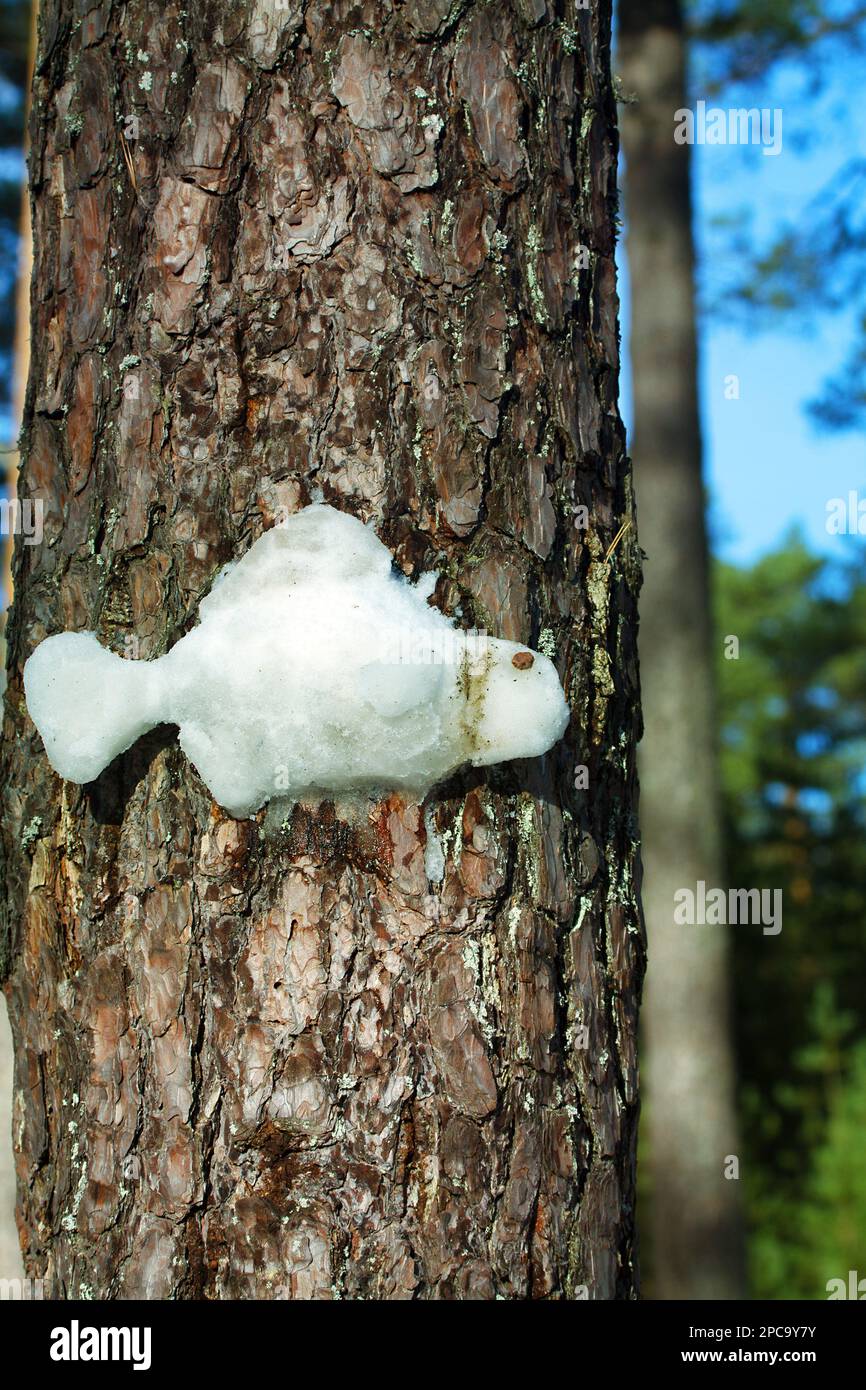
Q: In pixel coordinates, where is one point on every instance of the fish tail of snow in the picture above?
(88, 704)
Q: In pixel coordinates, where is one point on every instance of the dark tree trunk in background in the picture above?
(257, 1061)
(696, 1234)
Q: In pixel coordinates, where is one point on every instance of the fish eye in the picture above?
(522, 660)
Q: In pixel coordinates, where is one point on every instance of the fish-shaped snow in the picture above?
(314, 669)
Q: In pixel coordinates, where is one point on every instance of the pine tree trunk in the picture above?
(696, 1237)
(345, 261)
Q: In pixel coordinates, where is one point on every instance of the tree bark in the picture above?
(268, 1058)
(696, 1234)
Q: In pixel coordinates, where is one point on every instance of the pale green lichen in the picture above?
(451, 838)
(69, 1221)
(489, 975)
(526, 817)
(474, 963)
(598, 592)
(512, 921)
(417, 451)
(31, 832)
(413, 258)
(536, 294)
(498, 246)
(433, 124)
(601, 671)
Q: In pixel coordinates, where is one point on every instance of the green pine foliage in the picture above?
(793, 753)
(835, 1226)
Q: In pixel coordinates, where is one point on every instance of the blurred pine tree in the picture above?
(793, 716)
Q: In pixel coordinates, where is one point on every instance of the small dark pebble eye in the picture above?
(522, 660)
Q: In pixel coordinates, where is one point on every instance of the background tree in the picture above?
(695, 1217)
(364, 254)
(792, 707)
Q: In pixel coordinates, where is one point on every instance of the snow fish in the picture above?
(315, 669)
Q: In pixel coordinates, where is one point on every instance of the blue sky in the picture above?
(767, 465)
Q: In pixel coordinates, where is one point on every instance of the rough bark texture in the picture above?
(264, 1059)
(697, 1246)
